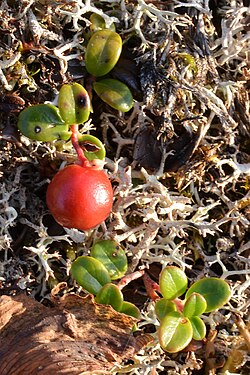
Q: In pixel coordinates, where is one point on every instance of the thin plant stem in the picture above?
(151, 287)
(128, 278)
(74, 139)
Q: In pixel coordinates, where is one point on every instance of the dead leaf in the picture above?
(240, 347)
(213, 358)
(243, 329)
(77, 336)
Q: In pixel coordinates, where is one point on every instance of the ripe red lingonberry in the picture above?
(80, 197)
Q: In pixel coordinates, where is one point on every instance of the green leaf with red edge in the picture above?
(175, 332)
(112, 256)
(163, 307)
(215, 291)
(74, 103)
(90, 273)
(114, 93)
(102, 52)
(173, 282)
(199, 328)
(111, 295)
(195, 305)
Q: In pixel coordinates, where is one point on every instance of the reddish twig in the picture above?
(94, 164)
(179, 304)
(74, 139)
(151, 287)
(128, 278)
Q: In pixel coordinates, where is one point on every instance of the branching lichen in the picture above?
(193, 76)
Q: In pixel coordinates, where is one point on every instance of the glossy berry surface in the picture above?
(80, 197)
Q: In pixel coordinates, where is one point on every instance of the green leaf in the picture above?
(195, 305)
(42, 122)
(102, 52)
(74, 103)
(175, 332)
(90, 273)
(215, 291)
(112, 256)
(111, 295)
(130, 309)
(199, 328)
(98, 23)
(114, 93)
(93, 148)
(163, 307)
(173, 282)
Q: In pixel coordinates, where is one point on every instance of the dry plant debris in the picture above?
(76, 336)
(179, 161)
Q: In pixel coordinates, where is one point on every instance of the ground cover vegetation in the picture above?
(147, 103)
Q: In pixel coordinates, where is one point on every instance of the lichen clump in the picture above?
(179, 159)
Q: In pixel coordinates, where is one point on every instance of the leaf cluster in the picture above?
(107, 262)
(180, 320)
(102, 53)
(46, 122)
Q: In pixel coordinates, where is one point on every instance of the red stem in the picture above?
(179, 304)
(74, 139)
(151, 286)
(128, 278)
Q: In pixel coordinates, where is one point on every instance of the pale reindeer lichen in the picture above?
(199, 213)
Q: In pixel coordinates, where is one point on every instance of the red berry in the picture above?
(80, 197)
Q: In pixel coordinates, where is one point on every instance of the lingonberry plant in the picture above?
(79, 196)
(180, 320)
(102, 53)
(107, 262)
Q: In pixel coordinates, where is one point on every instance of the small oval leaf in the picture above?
(130, 309)
(74, 103)
(102, 52)
(114, 93)
(112, 256)
(195, 305)
(90, 273)
(163, 307)
(173, 282)
(215, 291)
(98, 150)
(98, 23)
(111, 295)
(199, 328)
(42, 122)
(175, 332)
